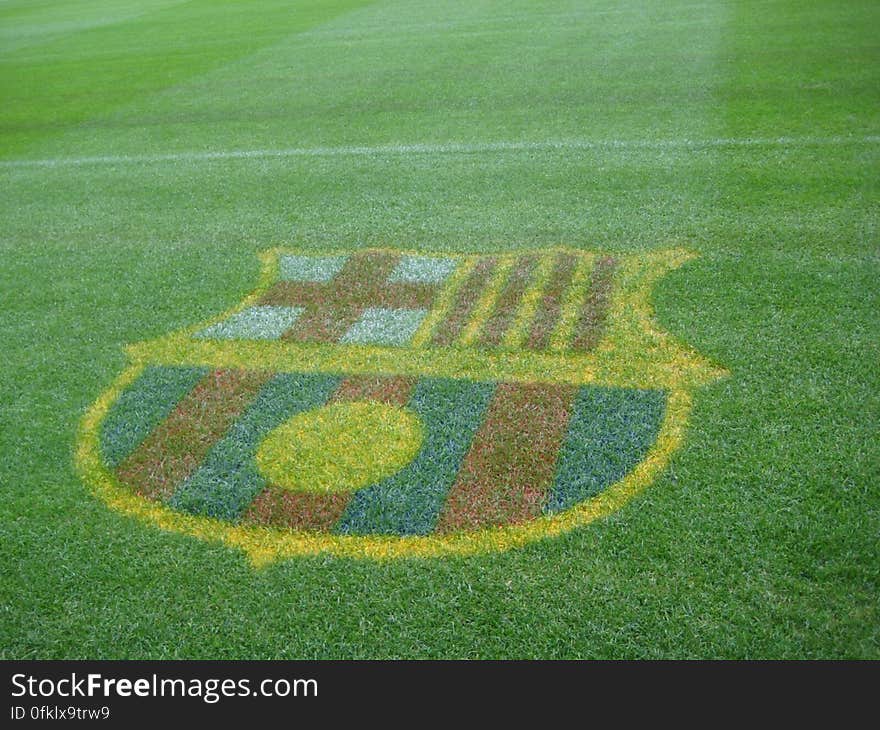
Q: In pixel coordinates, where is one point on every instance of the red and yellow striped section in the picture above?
(556, 301)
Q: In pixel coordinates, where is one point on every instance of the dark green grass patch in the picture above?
(611, 430)
(142, 407)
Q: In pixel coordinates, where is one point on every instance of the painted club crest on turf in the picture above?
(385, 403)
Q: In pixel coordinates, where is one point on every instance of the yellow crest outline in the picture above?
(633, 352)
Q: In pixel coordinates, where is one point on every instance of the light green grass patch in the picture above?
(422, 269)
(310, 268)
(379, 326)
(263, 322)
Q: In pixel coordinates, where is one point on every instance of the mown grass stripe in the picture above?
(409, 502)
(595, 308)
(142, 406)
(509, 468)
(177, 447)
(224, 485)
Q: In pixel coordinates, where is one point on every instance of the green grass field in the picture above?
(149, 150)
